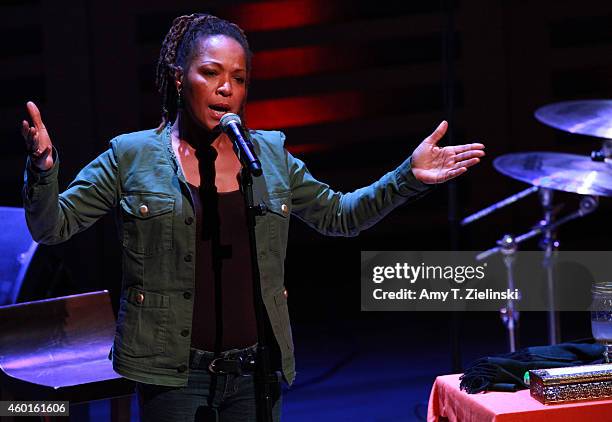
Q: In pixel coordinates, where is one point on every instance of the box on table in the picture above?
(574, 383)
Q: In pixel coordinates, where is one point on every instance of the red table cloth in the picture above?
(448, 402)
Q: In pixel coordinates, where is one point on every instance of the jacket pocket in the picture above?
(147, 222)
(282, 313)
(142, 323)
(279, 210)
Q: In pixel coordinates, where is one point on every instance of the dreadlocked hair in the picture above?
(178, 47)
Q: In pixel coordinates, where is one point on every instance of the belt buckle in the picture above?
(211, 365)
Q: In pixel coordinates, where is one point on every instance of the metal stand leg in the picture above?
(509, 315)
(549, 245)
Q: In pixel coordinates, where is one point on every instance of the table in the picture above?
(448, 402)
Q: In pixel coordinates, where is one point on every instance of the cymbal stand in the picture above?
(603, 154)
(509, 314)
(498, 205)
(508, 246)
(548, 244)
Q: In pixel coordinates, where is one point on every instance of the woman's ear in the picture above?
(178, 79)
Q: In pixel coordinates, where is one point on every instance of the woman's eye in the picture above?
(239, 79)
(209, 72)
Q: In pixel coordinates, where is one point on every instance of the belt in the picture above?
(235, 362)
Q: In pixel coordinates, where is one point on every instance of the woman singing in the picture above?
(186, 330)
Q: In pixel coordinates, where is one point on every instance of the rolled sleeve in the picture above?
(35, 179)
(407, 183)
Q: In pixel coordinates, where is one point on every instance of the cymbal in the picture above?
(583, 117)
(558, 171)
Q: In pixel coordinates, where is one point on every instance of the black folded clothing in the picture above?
(505, 372)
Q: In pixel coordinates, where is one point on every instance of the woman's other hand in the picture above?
(37, 139)
(432, 164)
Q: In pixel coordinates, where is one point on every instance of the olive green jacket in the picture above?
(139, 179)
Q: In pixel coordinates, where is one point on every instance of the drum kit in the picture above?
(546, 172)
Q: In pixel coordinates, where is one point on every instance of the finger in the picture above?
(25, 127)
(437, 134)
(467, 163)
(455, 172)
(32, 140)
(35, 115)
(38, 151)
(467, 147)
(469, 154)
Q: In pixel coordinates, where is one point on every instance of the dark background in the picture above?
(355, 85)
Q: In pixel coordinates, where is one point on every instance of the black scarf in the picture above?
(505, 372)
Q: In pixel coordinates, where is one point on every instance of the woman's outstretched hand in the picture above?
(432, 164)
(37, 139)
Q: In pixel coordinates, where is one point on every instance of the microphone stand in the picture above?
(263, 376)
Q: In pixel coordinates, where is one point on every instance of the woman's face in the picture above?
(215, 80)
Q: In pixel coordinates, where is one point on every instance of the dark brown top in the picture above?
(223, 314)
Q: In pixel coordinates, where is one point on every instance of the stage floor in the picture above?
(381, 366)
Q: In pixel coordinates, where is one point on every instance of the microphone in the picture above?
(231, 125)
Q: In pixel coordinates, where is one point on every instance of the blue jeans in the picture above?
(206, 398)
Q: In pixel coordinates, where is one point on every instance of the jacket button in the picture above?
(139, 298)
(285, 293)
(185, 332)
(284, 208)
(189, 220)
(144, 210)
(187, 258)
(187, 295)
(182, 368)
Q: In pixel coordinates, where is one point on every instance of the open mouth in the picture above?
(220, 108)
